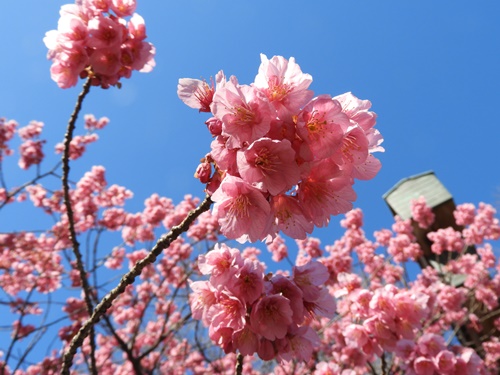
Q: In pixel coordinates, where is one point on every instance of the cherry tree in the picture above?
(178, 288)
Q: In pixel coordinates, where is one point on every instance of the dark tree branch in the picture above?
(68, 137)
(163, 243)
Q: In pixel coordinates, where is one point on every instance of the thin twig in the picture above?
(163, 336)
(200, 348)
(36, 339)
(2, 179)
(128, 279)
(14, 192)
(136, 363)
(15, 336)
(372, 369)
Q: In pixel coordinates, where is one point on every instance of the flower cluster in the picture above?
(93, 39)
(31, 147)
(78, 144)
(383, 316)
(283, 160)
(421, 213)
(250, 312)
(7, 131)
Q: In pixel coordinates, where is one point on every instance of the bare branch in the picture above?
(68, 137)
(163, 243)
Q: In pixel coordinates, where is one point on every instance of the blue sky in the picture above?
(430, 69)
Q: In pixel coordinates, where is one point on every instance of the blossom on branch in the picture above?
(250, 312)
(91, 41)
(298, 153)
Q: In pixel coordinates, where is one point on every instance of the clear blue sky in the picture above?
(430, 69)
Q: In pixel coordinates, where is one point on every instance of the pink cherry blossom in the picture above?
(324, 305)
(368, 169)
(7, 131)
(91, 41)
(136, 26)
(106, 62)
(464, 213)
(96, 6)
(278, 248)
(353, 219)
(31, 153)
(283, 286)
(445, 361)
(123, 8)
(220, 263)
(271, 317)
(31, 131)
(246, 341)
(284, 84)
(309, 278)
(311, 246)
(116, 258)
(320, 125)
(422, 213)
(204, 172)
(266, 350)
(137, 55)
(356, 335)
(411, 306)
(492, 349)
(20, 331)
(224, 157)
(105, 33)
(431, 344)
(302, 155)
(202, 299)
(323, 198)
(301, 342)
(156, 209)
(353, 150)
(244, 111)
(196, 93)
(357, 110)
(71, 30)
(241, 209)
(269, 165)
(65, 76)
(228, 312)
(446, 240)
(78, 145)
(402, 248)
(214, 126)
(248, 282)
(424, 366)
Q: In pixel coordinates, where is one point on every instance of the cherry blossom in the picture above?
(90, 41)
(241, 209)
(301, 153)
(248, 311)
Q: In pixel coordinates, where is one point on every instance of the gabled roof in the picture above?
(424, 184)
